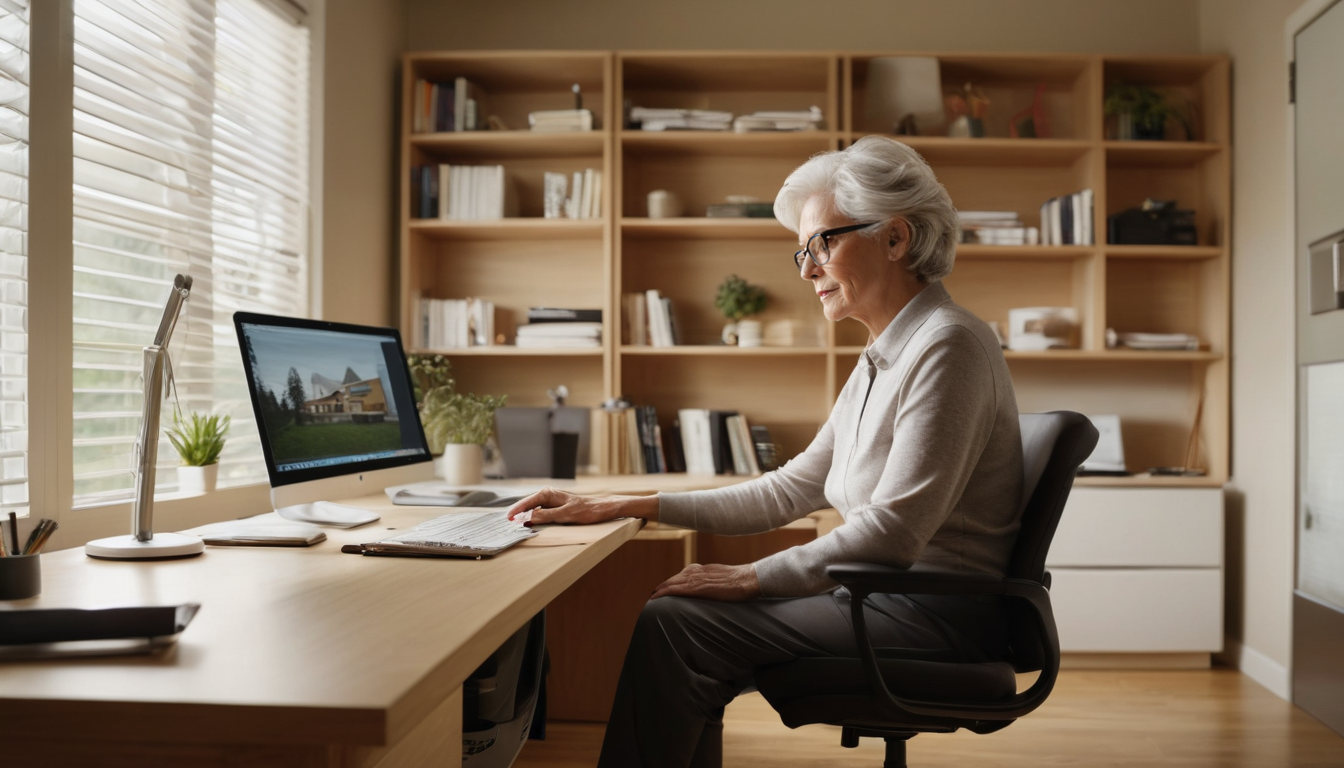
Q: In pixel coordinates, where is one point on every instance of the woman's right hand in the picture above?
(552, 505)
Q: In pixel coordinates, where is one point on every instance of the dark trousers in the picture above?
(688, 658)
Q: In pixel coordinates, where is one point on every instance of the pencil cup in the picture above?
(20, 577)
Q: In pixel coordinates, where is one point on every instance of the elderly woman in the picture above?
(921, 456)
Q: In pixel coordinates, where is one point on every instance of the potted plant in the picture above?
(738, 299)
(199, 440)
(457, 425)
(1141, 113)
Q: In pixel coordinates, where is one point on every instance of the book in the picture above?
(740, 210)
(676, 455)
(721, 449)
(554, 187)
(634, 320)
(551, 120)
(765, 448)
(467, 98)
(737, 448)
(739, 428)
(563, 315)
(696, 442)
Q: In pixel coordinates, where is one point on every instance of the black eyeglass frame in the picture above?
(825, 236)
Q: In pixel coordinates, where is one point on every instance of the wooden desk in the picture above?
(298, 657)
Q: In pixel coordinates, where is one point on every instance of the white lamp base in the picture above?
(163, 545)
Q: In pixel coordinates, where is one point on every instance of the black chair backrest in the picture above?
(1054, 444)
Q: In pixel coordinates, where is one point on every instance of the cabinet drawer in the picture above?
(1140, 610)
(1140, 527)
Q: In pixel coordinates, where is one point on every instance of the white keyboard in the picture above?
(469, 533)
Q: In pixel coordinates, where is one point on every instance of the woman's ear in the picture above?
(898, 239)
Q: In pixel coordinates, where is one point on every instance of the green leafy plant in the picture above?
(737, 298)
(1148, 109)
(449, 416)
(198, 439)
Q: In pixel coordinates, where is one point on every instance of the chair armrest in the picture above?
(864, 579)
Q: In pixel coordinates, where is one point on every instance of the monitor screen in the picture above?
(330, 398)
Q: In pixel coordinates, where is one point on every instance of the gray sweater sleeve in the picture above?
(763, 504)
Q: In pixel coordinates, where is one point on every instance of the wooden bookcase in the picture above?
(531, 261)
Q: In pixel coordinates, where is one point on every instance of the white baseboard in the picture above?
(1259, 667)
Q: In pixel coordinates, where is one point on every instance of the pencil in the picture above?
(44, 530)
(14, 531)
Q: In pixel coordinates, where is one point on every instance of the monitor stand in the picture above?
(327, 513)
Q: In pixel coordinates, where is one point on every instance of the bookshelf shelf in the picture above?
(530, 261)
(484, 145)
(721, 143)
(702, 228)
(509, 350)
(975, 251)
(1173, 252)
(1146, 480)
(988, 151)
(1093, 356)
(699, 350)
(508, 229)
(1159, 153)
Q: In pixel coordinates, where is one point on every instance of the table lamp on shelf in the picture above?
(142, 543)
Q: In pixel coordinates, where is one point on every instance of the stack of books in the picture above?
(805, 120)
(1176, 341)
(1067, 220)
(740, 210)
(996, 228)
(648, 320)
(648, 119)
(462, 192)
(455, 323)
(439, 107)
(584, 201)
(561, 328)
(557, 120)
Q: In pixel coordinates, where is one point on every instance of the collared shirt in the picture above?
(921, 455)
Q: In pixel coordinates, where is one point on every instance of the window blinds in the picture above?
(191, 156)
(13, 254)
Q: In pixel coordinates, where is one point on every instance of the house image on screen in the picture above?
(352, 399)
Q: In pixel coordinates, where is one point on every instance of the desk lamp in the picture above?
(141, 543)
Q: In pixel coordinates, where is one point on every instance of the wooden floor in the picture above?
(1167, 719)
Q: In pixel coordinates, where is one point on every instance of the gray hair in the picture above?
(880, 179)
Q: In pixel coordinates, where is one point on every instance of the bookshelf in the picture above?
(531, 261)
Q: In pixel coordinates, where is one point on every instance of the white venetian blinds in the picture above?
(13, 254)
(191, 156)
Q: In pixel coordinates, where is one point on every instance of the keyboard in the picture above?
(471, 534)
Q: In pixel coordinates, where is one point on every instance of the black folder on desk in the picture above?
(53, 632)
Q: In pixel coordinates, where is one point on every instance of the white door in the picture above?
(1318, 601)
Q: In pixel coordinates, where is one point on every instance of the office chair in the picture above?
(883, 694)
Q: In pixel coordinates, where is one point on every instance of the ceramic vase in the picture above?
(193, 481)
(461, 464)
(748, 333)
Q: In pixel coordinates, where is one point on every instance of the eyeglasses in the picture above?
(821, 252)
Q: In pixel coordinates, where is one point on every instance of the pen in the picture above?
(40, 535)
(14, 531)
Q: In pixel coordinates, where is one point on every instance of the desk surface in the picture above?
(292, 645)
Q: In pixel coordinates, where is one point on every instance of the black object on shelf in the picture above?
(1158, 222)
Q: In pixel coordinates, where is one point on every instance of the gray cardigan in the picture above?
(921, 455)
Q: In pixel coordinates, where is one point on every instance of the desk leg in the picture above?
(435, 743)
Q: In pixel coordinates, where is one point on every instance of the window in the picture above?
(13, 254)
(190, 157)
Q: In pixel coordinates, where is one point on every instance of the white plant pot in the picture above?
(748, 333)
(193, 481)
(461, 464)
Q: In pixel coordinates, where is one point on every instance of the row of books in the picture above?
(700, 441)
(1067, 220)
(656, 119)
(439, 107)
(996, 228)
(649, 319)
(462, 192)
(582, 201)
(455, 323)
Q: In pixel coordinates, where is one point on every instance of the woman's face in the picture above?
(853, 282)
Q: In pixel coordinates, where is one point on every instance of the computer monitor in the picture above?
(335, 408)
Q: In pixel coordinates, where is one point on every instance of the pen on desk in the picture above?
(39, 537)
(14, 531)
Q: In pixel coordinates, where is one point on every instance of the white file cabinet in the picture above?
(1139, 570)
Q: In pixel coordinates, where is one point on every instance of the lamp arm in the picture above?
(147, 445)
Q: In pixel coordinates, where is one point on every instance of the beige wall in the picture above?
(1261, 514)
(1112, 26)
(364, 42)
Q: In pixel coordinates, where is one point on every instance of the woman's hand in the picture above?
(552, 505)
(728, 583)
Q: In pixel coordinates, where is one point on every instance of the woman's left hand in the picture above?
(728, 583)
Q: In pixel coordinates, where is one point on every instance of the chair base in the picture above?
(895, 753)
